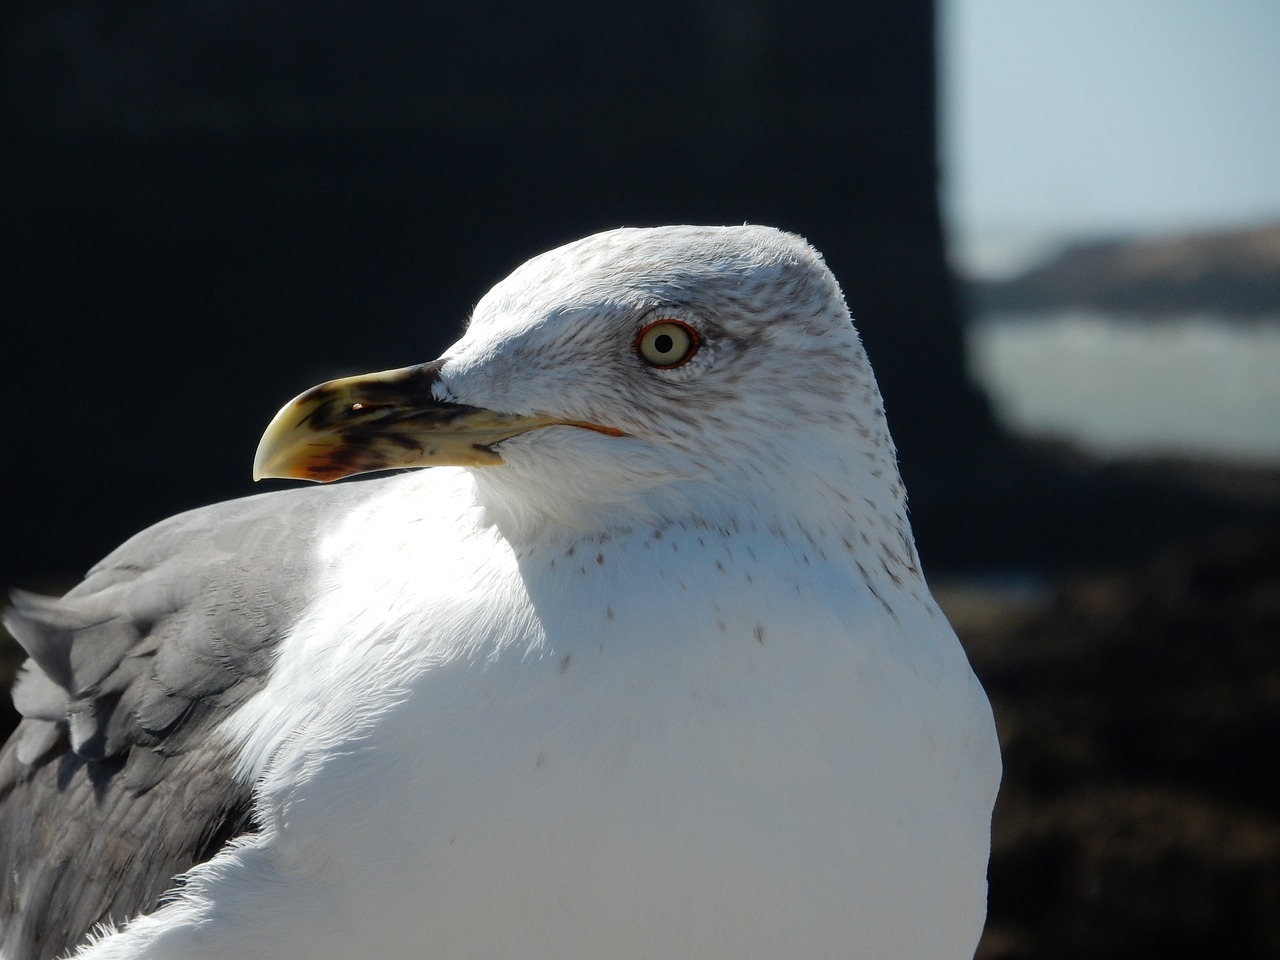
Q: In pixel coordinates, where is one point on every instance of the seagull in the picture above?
(644, 666)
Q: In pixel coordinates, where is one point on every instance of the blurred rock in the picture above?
(1232, 272)
(1139, 713)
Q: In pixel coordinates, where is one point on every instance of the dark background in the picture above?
(208, 206)
(211, 206)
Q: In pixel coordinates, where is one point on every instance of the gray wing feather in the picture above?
(115, 781)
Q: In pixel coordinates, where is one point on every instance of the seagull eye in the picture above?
(667, 343)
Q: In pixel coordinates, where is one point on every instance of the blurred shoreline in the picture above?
(1230, 271)
(1149, 346)
(1201, 386)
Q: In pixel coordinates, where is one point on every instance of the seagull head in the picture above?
(647, 369)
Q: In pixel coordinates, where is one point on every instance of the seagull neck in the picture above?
(840, 508)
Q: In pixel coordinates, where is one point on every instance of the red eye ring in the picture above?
(667, 343)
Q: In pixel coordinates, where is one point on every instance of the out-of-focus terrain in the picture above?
(1139, 711)
(1233, 272)
(1137, 693)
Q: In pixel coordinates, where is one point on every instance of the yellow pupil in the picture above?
(667, 344)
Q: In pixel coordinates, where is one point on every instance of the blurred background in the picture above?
(1057, 224)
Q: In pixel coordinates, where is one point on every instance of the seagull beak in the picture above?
(384, 421)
